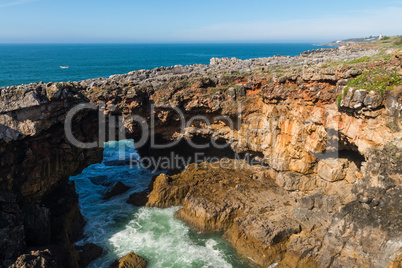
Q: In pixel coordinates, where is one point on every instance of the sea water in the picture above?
(27, 63)
(153, 233)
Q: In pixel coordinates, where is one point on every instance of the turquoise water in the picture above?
(153, 233)
(27, 63)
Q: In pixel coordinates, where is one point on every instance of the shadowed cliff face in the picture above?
(319, 158)
(39, 206)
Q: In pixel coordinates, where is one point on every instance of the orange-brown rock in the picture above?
(130, 260)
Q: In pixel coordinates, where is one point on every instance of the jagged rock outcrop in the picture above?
(322, 159)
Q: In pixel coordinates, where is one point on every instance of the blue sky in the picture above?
(115, 21)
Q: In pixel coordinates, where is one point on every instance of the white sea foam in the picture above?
(152, 233)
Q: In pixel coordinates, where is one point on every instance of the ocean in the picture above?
(28, 63)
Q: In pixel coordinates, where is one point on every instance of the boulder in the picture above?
(131, 260)
(88, 253)
(138, 198)
(101, 180)
(116, 189)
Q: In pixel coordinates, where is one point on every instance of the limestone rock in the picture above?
(37, 259)
(393, 102)
(332, 169)
(373, 99)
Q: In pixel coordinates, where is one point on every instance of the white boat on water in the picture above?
(64, 67)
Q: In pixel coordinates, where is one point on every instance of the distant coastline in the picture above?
(350, 41)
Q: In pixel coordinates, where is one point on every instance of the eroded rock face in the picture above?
(267, 224)
(39, 206)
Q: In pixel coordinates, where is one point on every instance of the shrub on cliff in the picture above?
(379, 79)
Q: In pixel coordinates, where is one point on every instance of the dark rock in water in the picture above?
(101, 180)
(88, 253)
(37, 259)
(124, 162)
(131, 260)
(116, 189)
(37, 225)
(138, 198)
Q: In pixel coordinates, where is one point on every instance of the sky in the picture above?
(171, 21)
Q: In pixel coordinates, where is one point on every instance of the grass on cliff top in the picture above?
(378, 79)
(391, 41)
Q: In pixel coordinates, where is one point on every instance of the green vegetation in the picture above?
(364, 59)
(387, 57)
(345, 91)
(379, 79)
(391, 41)
(398, 41)
(339, 99)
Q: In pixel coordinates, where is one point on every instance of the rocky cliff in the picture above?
(326, 191)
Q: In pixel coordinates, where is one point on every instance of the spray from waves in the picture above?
(152, 233)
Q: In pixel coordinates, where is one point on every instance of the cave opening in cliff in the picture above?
(208, 150)
(350, 151)
(342, 147)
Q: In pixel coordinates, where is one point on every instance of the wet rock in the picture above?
(88, 253)
(115, 189)
(138, 198)
(101, 180)
(130, 260)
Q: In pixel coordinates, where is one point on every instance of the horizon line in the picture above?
(176, 42)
